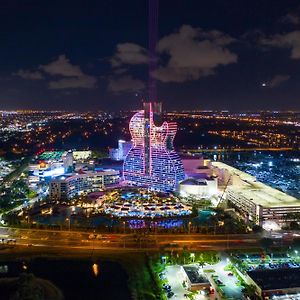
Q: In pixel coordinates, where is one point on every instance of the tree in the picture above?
(250, 291)
(296, 243)
(194, 210)
(266, 243)
(229, 226)
(294, 216)
(294, 225)
(185, 254)
(257, 229)
(28, 288)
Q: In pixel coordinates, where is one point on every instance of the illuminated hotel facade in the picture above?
(152, 161)
(71, 185)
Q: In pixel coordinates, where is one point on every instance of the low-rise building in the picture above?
(194, 278)
(270, 283)
(71, 185)
(82, 155)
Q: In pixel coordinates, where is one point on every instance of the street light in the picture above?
(190, 227)
(192, 255)
(69, 222)
(164, 259)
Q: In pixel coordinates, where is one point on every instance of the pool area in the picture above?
(104, 223)
(142, 203)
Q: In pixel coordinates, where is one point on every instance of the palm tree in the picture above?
(250, 291)
(266, 243)
(185, 253)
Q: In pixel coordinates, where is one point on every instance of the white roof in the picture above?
(258, 192)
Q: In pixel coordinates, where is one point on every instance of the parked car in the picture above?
(166, 287)
(170, 294)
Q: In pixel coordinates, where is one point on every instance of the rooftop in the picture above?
(256, 191)
(276, 279)
(81, 173)
(193, 181)
(194, 276)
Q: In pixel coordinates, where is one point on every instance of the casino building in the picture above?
(152, 161)
(256, 201)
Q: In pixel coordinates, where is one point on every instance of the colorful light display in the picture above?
(152, 161)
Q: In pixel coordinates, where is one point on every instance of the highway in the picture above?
(239, 149)
(86, 240)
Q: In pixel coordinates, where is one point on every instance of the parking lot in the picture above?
(226, 280)
(175, 278)
(223, 278)
(270, 261)
(287, 297)
(220, 278)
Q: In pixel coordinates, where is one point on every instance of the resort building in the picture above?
(152, 161)
(49, 164)
(69, 186)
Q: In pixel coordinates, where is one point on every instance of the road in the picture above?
(86, 240)
(231, 287)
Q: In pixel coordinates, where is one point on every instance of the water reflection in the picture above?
(95, 268)
(77, 279)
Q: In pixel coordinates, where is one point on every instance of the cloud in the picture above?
(120, 71)
(185, 55)
(27, 74)
(73, 76)
(278, 80)
(291, 18)
(84, 81)
(62, 66)
(193, 53)
(125, 84)
(63, 75)
(129, 54)
(289, 40)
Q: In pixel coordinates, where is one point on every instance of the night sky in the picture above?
(92, 55)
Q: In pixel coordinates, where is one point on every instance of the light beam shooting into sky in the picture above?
(153, 36)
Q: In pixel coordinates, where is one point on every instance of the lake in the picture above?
(77, 279)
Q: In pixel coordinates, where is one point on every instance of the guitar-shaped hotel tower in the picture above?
(152, 161)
